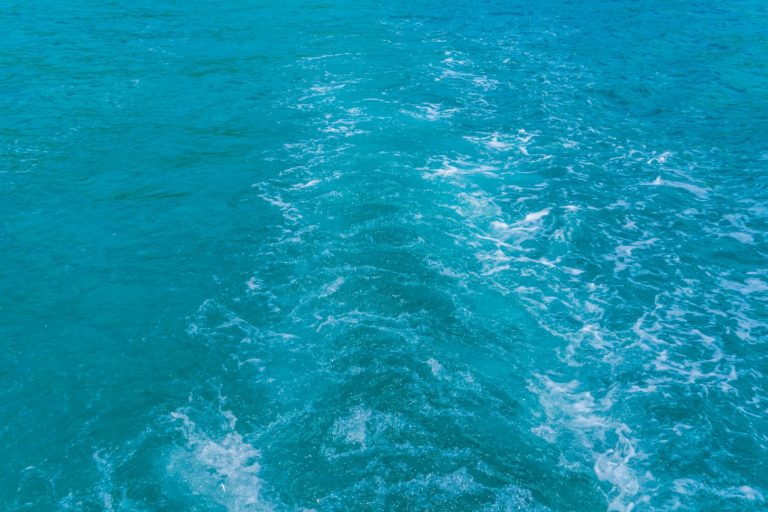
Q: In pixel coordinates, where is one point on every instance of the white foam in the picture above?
(512, 498)
(352, 429)
(750, 493)
(533, 217)
(324, 56)
(689, 187)
(509, 237)
(503, 142)
(431, 112)
(748, 287)
(332, 287)
(477, 206)
(223, 468)
(253, 283)
(624, 253)
(310, 183)
(344, 127)
(744, 238)
(105, 486)
(289, 211)
(458, 168)
(486, 83)
(589, 419)
(496, 144)
(435, 366)
(691, 487)
(446, 170)
(325, 89)
(660, 159)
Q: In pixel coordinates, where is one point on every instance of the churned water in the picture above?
(334, 255)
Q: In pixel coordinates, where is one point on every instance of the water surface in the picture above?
(492, 256)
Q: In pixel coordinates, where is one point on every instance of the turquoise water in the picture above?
(449, 256)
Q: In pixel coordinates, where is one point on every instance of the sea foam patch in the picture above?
(222, 468)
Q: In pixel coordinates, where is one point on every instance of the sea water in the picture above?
(334, 255)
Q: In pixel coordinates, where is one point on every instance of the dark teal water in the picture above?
(449, 256)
